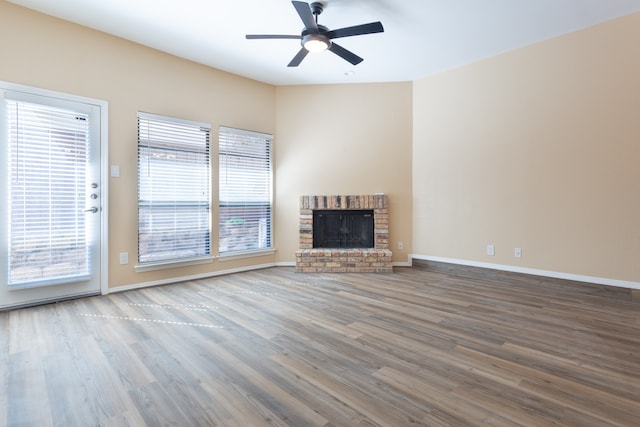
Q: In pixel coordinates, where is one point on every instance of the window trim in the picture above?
(246, 254)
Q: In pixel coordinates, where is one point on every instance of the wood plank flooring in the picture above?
(436, 346)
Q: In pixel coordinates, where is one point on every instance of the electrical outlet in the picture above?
(517, 252)
(491, 250)
(124, 258)
(400, 246)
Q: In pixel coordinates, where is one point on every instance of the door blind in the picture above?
(245, 190)
(47, 155)
(173, 189)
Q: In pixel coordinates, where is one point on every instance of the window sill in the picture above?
(240, 255)
(172, 264)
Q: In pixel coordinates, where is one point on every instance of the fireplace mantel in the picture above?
(336, 260)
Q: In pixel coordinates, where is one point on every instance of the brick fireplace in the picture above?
(344, 260)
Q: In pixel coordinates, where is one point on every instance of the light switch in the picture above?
(115, 171)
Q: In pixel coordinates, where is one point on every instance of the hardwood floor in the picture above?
(433, 346)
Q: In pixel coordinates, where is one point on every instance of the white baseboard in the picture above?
(406, 263)
(285, 264)
(187, 278)
(535, 272)
(510, 268)
(213, 274)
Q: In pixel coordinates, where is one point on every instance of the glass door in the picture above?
(51, 205)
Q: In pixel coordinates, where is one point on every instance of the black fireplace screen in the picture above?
(343, 228)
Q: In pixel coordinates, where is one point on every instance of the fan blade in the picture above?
(304, 10)
(271, 36)
(357, 30)
(345, 54)
(298, 58)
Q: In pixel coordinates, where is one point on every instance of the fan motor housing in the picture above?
(321, 29)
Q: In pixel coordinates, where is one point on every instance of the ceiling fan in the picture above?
(317, 38)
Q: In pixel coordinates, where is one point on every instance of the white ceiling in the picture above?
(421, 38)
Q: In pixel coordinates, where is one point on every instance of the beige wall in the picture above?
(343, 139)
(44, 52)
(537, 148)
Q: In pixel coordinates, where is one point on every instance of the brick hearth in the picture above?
(340, 260)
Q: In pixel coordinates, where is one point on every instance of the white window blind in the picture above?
(173, 189)
(245, 191)
(47, 156)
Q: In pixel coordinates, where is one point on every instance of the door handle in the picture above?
(92, 210)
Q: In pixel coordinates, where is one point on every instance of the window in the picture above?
(173, 190)
(245, 191)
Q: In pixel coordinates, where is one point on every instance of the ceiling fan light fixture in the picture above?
(315, 42)
(318, 38)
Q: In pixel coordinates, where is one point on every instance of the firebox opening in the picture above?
(343, 228)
